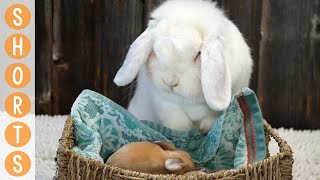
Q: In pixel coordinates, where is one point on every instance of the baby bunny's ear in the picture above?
(137, 55)
(174, 164)
(166, 146)
(215, 74)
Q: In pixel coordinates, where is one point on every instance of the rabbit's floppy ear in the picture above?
(215, 74)
(137, 55)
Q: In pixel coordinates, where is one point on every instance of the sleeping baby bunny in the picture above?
(189, 61)
(153, 158)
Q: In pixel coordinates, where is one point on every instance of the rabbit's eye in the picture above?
(197, 57)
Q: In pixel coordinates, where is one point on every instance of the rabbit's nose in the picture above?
(171, 82)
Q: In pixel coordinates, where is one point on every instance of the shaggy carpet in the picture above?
(305, 144)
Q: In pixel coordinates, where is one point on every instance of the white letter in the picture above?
(15, 46)
(17, 163)
(14, 75)
(17, 16)
(18, 133)
(16, 105)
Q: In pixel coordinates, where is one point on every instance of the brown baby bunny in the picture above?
(152, 158)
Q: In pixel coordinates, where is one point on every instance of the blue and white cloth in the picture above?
(236, 138)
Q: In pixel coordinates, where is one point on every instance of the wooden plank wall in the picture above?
(289, 65)
(82, 43)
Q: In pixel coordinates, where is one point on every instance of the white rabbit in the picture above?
(189, 62)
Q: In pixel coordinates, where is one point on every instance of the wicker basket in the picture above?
(72, 165)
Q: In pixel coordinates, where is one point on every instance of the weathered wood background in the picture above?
(82, 43)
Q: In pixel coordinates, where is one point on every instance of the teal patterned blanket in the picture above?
(235, 139)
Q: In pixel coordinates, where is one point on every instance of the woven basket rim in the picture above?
(67, 142)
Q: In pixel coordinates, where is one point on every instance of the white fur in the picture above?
(177, 86)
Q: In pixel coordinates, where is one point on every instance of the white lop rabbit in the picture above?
(189, 62)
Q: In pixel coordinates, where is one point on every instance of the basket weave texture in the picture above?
(73, 166)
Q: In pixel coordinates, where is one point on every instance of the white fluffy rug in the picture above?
(305, 144)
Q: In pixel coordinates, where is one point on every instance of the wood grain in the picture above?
(44, 41)
(289, 81)
(122, 24)
(75, 51)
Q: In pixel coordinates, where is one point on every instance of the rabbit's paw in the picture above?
(205, 125)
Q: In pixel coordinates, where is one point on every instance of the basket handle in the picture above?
(283, 145)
